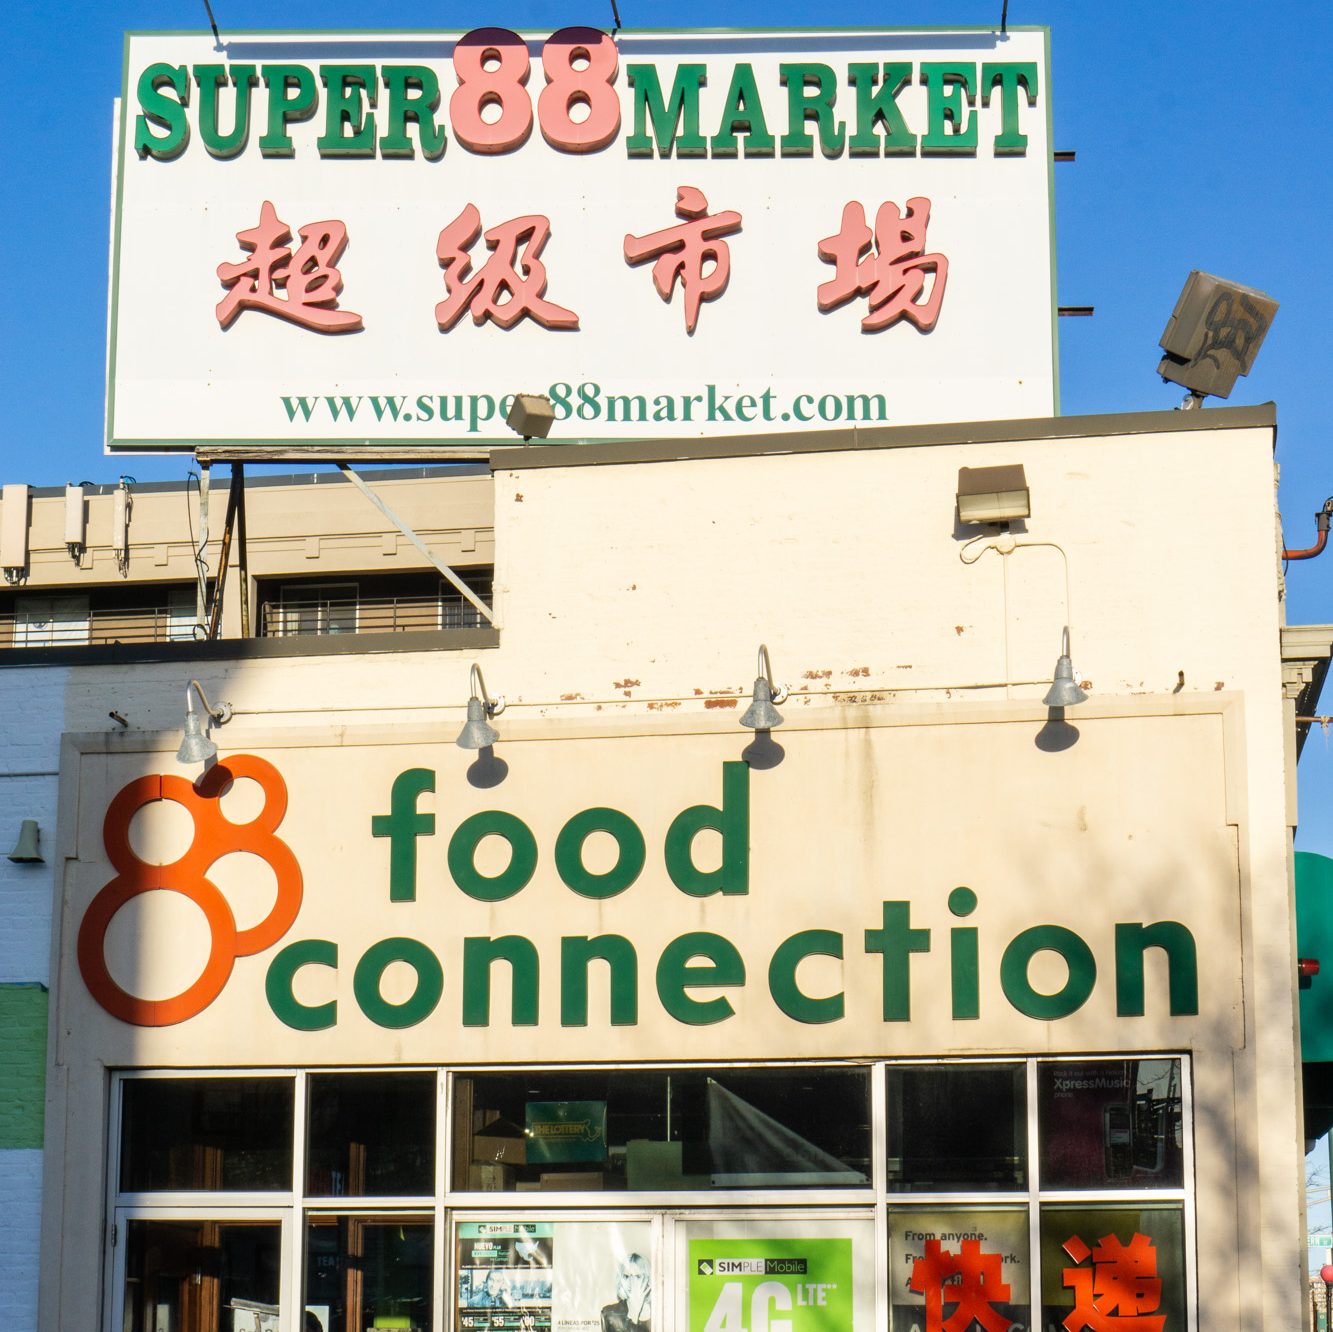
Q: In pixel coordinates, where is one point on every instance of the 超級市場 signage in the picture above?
(323, 241)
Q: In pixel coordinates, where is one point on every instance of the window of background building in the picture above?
(118, 613)
(371, 603)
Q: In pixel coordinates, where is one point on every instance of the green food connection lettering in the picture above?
(700, 978)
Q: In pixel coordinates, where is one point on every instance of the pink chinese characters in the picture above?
(301, 288)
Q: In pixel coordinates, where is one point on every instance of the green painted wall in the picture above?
(22, 1064)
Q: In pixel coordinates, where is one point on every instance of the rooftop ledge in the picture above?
(227, 649)
(884, 437)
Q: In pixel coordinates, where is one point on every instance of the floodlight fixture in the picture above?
(531, 415)
(1213, 335)
(993, 494)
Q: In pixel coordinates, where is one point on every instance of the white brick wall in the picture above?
(20, 1231)
(32, 717)
(26, 890)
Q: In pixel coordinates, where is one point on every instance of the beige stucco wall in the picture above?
(631, 599)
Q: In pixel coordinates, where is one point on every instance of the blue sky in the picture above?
(1198, 147)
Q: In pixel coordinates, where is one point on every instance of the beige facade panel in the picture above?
(847, 820)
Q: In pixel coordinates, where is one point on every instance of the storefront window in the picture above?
(748, 1128)
(1110, 1123)
(202, 1276)
(371, 1134)
(206, 1133)
(957, 1128)
(233, 1190)
(365, 1272)
(959, 1267)
(1130, 1260)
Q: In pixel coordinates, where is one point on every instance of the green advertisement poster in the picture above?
(504, 1276)
(559, 1132)
(767, 1285)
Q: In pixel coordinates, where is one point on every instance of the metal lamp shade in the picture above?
(26, 850)
(761, 715)
(1064, 691)
(477, 732)
(196, 747)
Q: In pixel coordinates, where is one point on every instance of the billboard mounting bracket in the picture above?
(449, 575)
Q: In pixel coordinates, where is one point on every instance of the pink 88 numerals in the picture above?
(580, 66)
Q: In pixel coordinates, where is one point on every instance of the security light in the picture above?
(27, 850)
(993, 494)
(531, 415)
(1214, 334)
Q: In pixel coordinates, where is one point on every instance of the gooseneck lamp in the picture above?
(1064, 691)
(477, 732)
(196, 746)
(761, 715)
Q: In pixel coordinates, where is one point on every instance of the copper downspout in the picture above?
(1322, 520)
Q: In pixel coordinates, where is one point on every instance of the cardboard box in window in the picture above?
(571, 1181)
(496, 1147)
(498, 1139)
(489, 1177)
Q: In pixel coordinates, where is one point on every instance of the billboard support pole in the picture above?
(242, 559)
(200, 557)
(235, 498)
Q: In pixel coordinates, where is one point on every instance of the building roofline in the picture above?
(332, 476)
(248, 649)
(883, 437)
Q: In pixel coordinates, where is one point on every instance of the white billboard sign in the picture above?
(329, 241)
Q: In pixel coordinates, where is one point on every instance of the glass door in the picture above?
(365, 1273)
(177, 1272)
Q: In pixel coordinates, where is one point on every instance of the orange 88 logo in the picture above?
(215, 836)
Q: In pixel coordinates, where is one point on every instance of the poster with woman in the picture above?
(555, 1276)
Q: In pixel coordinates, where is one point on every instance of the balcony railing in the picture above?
(146, 624)
(370, 615)
(81, 627)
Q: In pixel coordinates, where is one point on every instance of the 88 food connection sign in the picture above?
(328, 241)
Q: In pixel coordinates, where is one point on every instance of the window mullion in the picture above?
(293, 1313)
(443, 1141)
(879, 1173)
(1034, 1193)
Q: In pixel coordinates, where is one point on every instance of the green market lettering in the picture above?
(685, 110)
(693, 974)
